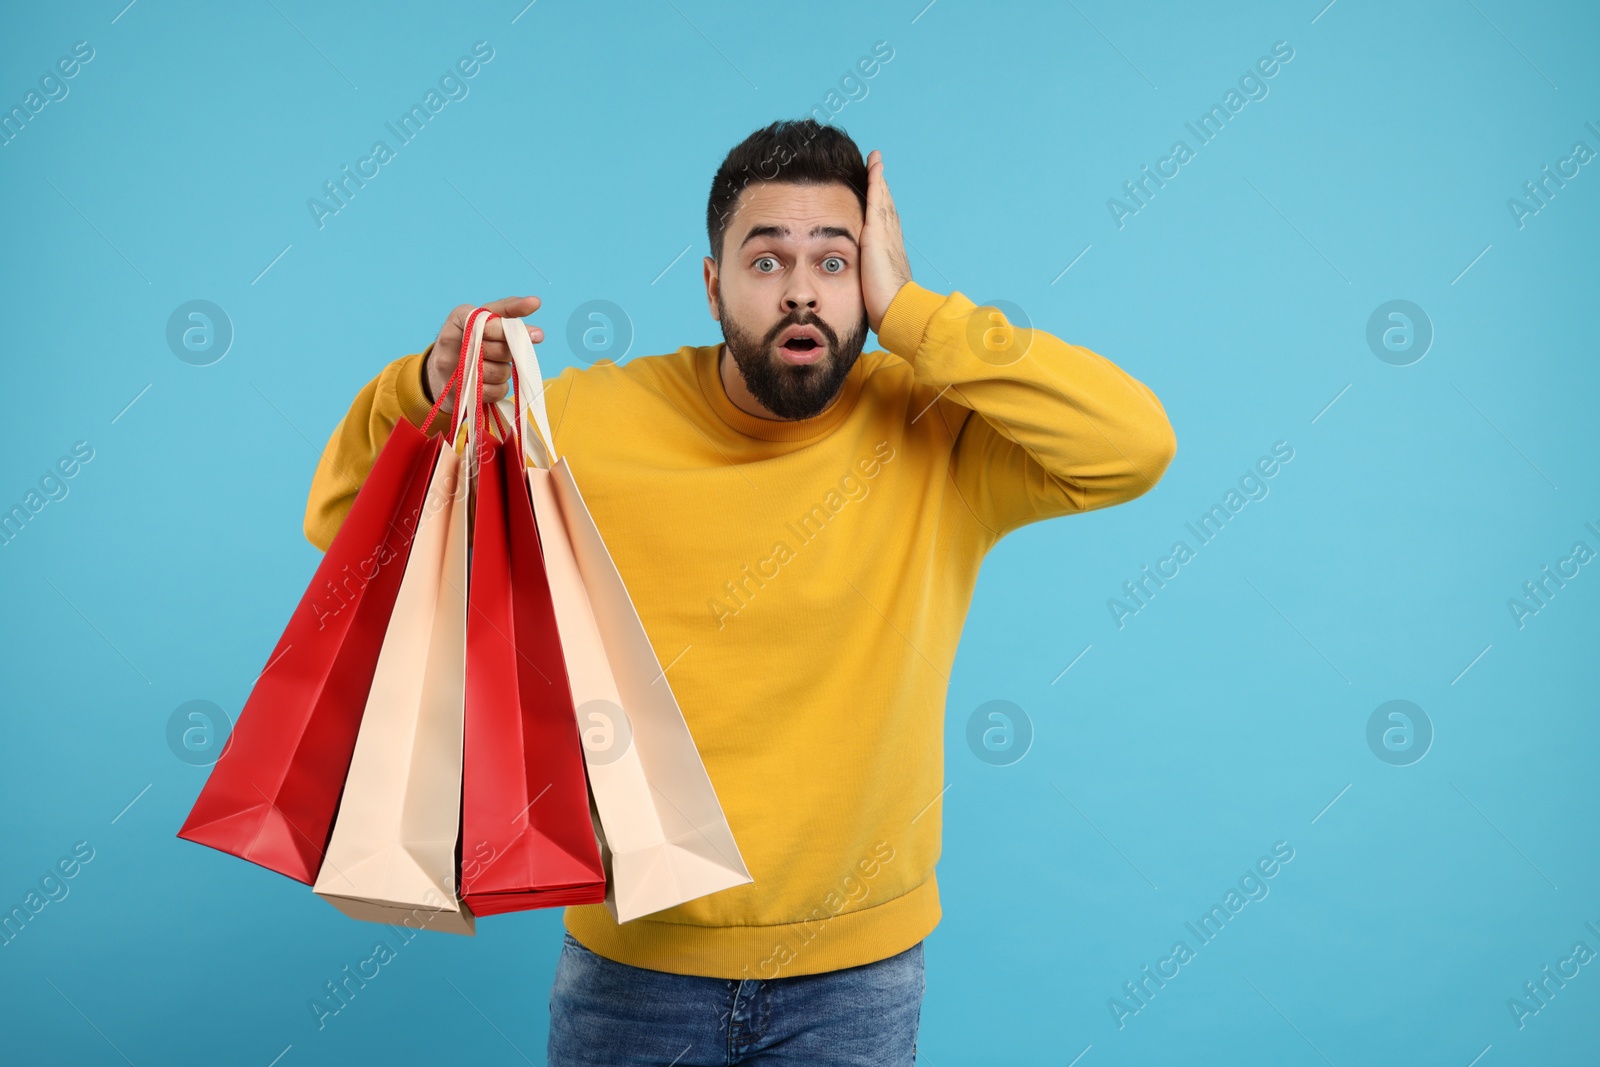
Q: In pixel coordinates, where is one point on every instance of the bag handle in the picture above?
(501, 429)
(434, 412)
(456, 383)
(530, 395)
(480, 424)
(471, 366)
(486, 411)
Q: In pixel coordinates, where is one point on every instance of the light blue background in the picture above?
(1224, 717)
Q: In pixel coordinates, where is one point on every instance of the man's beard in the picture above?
(788, 390)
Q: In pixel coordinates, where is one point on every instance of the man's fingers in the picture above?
(496, 330)
(514, 306)
(496, 352)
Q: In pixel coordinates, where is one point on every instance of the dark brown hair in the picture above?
(803, 152)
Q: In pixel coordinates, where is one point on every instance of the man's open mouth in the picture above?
(802, 344)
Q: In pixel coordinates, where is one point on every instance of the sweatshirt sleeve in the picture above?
(1042, 428)
(353, 448)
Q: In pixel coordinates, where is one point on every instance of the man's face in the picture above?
(788, 293)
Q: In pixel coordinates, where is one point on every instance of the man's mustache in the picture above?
(795, 318)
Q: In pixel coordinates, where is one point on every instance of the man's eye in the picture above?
(766, 264)
(833, 264)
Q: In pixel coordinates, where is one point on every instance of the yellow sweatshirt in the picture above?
(805, 583)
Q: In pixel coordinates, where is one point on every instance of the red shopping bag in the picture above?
(272, 796)
(528, 840)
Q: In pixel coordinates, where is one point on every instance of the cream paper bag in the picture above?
(664, 838)
(392, 855)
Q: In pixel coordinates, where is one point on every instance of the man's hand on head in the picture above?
(440, 365)
(884, 267)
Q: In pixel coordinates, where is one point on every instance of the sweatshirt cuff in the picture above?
(907, 319)
(414, 404)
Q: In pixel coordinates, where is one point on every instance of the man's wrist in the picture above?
(427, 353)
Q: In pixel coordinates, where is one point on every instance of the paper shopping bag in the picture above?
(664, 837)
(272, 796)
(527, 837)
(392, 856)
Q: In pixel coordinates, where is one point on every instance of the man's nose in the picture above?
(799, 296)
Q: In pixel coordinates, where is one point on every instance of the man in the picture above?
(800, 525)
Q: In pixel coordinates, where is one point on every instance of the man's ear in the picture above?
(711, 288)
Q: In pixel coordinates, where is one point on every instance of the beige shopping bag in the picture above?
(664, 838)
(392, 855)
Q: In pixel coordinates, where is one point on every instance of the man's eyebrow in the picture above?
(783, 232)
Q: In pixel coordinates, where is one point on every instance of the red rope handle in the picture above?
(455, 377)
(481, 426)
(455, 381)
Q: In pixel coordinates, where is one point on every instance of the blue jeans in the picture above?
(611, 1013)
